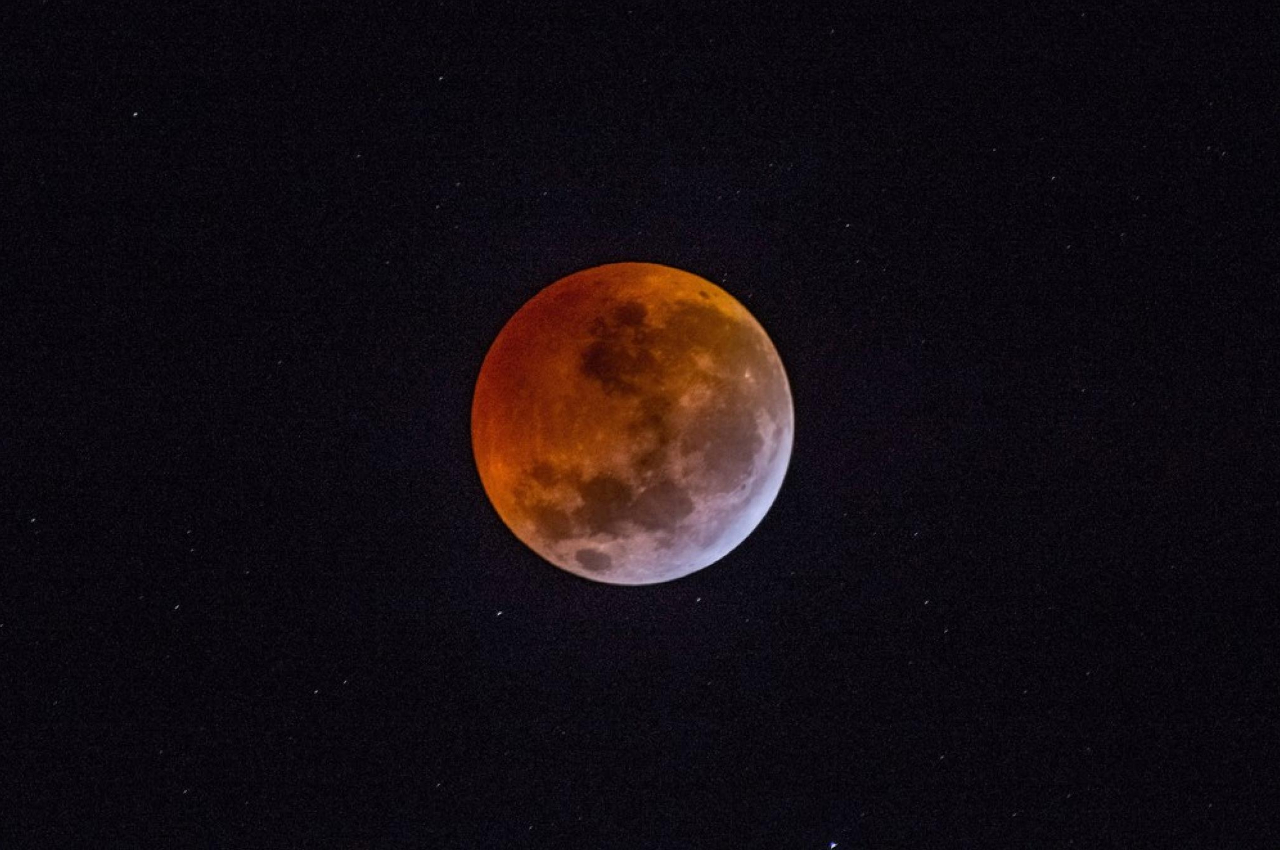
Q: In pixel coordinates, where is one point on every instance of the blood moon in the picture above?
(632, 423)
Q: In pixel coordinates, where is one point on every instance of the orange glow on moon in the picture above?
(632, 423)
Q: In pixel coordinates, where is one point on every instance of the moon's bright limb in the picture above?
(632, 423)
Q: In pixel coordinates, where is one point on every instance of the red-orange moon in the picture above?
(632, 423)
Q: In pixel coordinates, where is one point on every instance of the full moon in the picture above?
(632, 423)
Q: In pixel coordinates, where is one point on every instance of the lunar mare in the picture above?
(632, 423)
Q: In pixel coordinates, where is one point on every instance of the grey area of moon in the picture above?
(701, 459)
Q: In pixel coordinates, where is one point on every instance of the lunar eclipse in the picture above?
(632, 423)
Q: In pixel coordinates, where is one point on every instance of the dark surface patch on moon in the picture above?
(605, 501)
(661, 506)
(651, 427)
(653, 412)
(592, 560)
(553, 523)
(545, 474)
(620, 356)
(646, 463)
(630, 313)
(617, 365)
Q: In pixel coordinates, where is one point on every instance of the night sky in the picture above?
(1018, 588)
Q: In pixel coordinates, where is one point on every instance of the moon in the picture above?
(632, 423)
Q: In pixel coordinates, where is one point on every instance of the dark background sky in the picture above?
(1017, 589)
